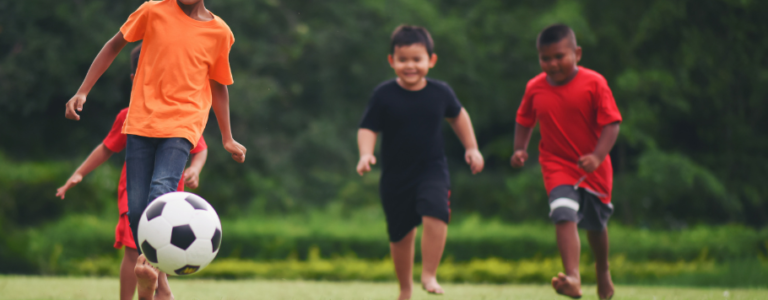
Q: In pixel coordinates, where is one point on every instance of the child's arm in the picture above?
(522, 137)
(192, 173)
(97, 157)
(99, 65)
(591, 161)
(462, 125)
(220, 96)
(366, 142)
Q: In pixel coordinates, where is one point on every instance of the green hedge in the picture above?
(362, 235)
(699, 272)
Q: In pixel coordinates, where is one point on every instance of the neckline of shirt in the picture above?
(407, 90)
(180, 13)
(578, 74)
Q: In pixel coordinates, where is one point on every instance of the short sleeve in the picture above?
(373, 118)
(453, 106)
(220, 71)
(134, 28)
(116, 140)
(201, 146)
(526, 116)
(607, 111)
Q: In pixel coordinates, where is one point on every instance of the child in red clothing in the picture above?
(579, 124)
(113, 143)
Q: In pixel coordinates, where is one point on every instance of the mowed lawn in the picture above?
(39, 288)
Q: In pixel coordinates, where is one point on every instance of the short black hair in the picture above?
(135, 58)
(555, 33)
(405, 35)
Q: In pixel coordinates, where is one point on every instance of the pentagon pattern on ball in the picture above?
(216, 240)
(182, 236)
(149, 252)
(186, 270)
(196, 202)
(155, 209)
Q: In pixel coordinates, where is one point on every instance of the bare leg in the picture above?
(163, 289)
(127, 275)
(598, 241)
(147, 278)
(432, 245)
(402, 255)
(568, 284)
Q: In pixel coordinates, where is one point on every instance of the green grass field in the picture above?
(39, 288)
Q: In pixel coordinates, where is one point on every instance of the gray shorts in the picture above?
(580, 206)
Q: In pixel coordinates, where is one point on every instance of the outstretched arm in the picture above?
(97, 157)
(462, 125)
(100, 64)
(522, 137)
(366, 142)
(220, 95)
(608, 137)
(192, 173)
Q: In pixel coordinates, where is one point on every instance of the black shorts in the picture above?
(405, 209)
(580, 206)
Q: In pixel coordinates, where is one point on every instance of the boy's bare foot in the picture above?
(404, 295)
(604, 286)
(147, 278)
(431, 286)
(567, 286)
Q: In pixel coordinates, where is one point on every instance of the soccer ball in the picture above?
(179, 233)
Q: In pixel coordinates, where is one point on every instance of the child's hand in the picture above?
(589, 162)
(364, 165)
(76, 103)
(237, 150)
(475, 160)
(72, 181)
(519, 158)
(192, 178)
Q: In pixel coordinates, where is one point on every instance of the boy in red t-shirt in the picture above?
(579, 123)
(113, 143)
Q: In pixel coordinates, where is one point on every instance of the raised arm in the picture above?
(366, 142)
(100, 64)
(462, 125)
(605, 143)
(97, 157)
(522, 137)
(220, 104)
(192, 173)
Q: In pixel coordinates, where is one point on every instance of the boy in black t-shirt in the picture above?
(415, 186)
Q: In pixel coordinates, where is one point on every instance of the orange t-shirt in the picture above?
(171, 94)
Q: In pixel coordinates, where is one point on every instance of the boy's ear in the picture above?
(578, 53)
(391, 60)
(432, 60)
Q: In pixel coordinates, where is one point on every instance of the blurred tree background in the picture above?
(689, 78)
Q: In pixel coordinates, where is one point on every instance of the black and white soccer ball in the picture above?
(179, 233)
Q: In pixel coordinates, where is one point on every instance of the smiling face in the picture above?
(559, 60)
(411, 64)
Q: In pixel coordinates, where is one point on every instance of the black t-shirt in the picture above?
(411, 126)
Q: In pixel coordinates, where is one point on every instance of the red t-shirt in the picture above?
(115, 142)
(571, 119)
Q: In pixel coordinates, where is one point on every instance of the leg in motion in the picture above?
(402, 255)
(432, 246)
(568, 284)
(598, 241)
(127, 275)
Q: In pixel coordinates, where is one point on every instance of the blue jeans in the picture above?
(153, 167)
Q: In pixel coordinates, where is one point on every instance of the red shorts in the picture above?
(123, 234)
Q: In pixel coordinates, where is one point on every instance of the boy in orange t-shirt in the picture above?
(113, 143)
(183, 71)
